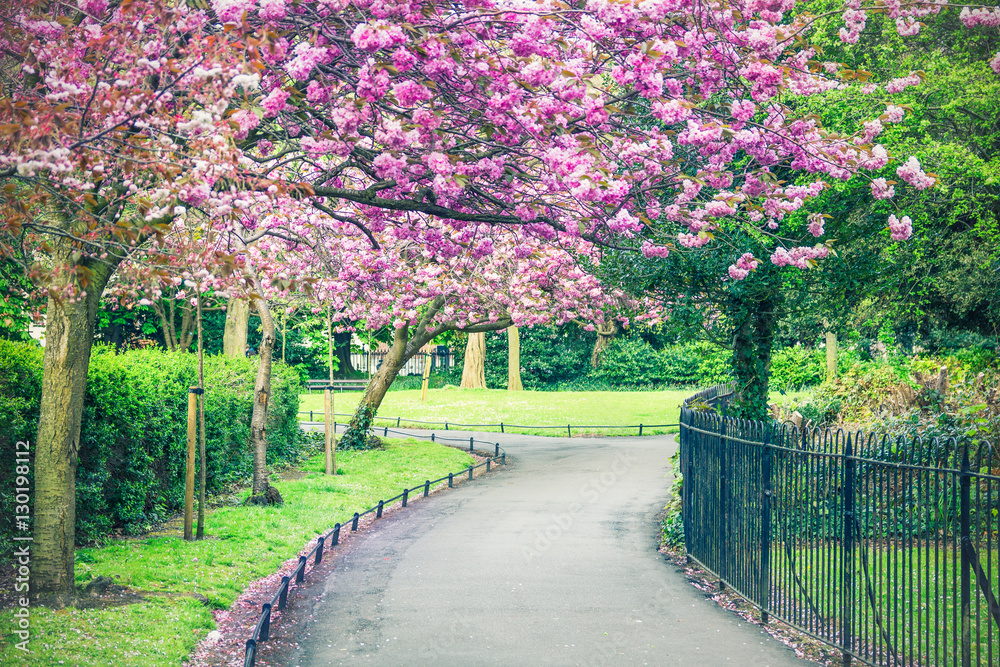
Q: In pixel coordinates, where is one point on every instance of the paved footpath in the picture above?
(552, 561)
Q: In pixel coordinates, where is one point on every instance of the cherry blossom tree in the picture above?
(119, 120)
(112, 129)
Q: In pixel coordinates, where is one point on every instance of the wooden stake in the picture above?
(328, 429)
(203, 463)
(189, 478)
(427, 377)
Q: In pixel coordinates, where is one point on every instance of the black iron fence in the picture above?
(262, 629)
(885, 549)
(400, 422)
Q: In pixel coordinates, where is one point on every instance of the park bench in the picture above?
(342, 385)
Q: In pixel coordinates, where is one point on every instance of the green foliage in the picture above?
(14, 301)
(797, 367)
(134, 430)
(632, 362)
(673, 520)
(357, 437)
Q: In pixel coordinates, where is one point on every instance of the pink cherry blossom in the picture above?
(914, 175)
(901, 229)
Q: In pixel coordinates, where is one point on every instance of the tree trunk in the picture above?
(342, 350)
(753, 342)
(606, 332)
(69, 337)
(514, 360)
(474, 370)
(262, 391)
(399, 353)
(234, 340)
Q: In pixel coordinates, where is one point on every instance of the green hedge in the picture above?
(134, 430)
(631, 361)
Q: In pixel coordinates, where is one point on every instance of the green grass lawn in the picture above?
(530, 408)
(244, 544)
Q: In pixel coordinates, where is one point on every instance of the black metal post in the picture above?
(319, 551)
(496, 452)
(336, 535)
(488, 464)
(765, 528)
(470, 444)
(378, 514)
(640, 429)
(300, 571)
(501, 427)
(354, 522)
(283, 592)
(470, 472)
(723, 504)
(569, 434)
(847, 565)
(427, 488)
(451, 481)
(432, 437)
(965, 490)
(406, 494)
(397, 421)
(265, 626)
(446, 426)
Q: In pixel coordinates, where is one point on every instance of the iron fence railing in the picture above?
(279, 601)
(402, 421)
(886, 549)
(369, 362)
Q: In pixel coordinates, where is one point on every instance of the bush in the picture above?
(797, 367)
(630, 360)
(133, 436)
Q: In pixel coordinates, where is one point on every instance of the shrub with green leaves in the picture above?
(133, 436)
(797, 367)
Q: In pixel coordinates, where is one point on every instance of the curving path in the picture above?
(552, 561)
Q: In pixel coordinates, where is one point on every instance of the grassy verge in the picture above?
(532, 408)
(244, 544)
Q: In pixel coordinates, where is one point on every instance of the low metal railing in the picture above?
(400, 421)
(887, 549)
(262, 629)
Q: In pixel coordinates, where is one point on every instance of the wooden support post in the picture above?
(427, 377)
(328, 429)
(192, 439)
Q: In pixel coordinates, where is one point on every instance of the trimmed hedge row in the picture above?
(133, 436)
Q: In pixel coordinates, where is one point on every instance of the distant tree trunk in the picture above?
(234, 339)
(342, 350)
(69, 337)
(262, 391)
(514, 360)
(474, 370)
(606, 332)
